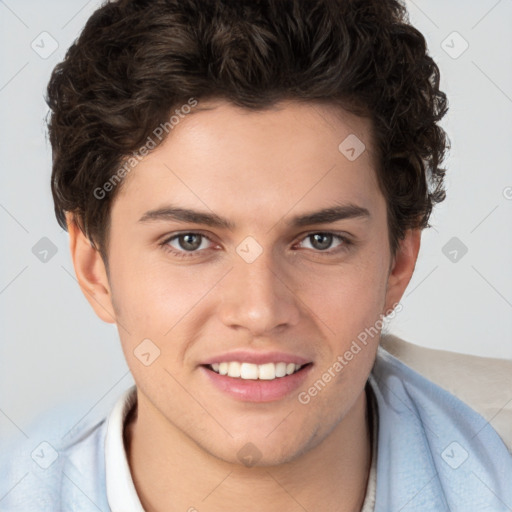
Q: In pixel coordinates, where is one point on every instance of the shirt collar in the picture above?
(121, 492)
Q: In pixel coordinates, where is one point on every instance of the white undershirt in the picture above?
(121, 493)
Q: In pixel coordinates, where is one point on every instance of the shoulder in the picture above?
(483, 383)
(440, 449)
(46, 473)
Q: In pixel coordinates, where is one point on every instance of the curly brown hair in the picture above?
(137, 60)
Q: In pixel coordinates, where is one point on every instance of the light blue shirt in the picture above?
(434, 454)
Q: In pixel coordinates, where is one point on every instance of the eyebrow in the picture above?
(324, 216)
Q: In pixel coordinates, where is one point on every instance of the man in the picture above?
(244, 185)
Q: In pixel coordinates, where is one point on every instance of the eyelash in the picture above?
(346, 243)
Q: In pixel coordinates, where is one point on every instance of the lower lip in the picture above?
(258, 390)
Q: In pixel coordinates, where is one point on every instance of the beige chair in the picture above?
(484, 383)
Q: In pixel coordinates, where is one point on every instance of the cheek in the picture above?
(349, 297)
(153, 304)
(161, 302)
(350, 304)
(150, 294)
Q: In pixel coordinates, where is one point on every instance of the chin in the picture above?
(265, 449)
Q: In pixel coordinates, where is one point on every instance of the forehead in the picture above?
(226, 158)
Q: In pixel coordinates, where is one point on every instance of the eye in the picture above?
(190, 244)
(186, 244)
(322, 241)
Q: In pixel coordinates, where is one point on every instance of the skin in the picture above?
(257, 169)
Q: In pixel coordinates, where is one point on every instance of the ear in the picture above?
(90, 271)
(402, 267)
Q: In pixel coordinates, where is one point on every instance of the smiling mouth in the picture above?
(250, 371)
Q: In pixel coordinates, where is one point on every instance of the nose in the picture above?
(258, 297)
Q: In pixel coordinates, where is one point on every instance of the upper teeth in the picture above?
(267, 371)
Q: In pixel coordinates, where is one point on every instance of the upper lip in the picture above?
(245, 356)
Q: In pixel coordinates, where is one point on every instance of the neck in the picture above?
(172, 473)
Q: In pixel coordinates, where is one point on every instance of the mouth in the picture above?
(251, 371)
(251, 382)
(251, 376)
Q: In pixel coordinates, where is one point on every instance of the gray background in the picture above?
(56, 352)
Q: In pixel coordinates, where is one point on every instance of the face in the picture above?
(253, 278)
